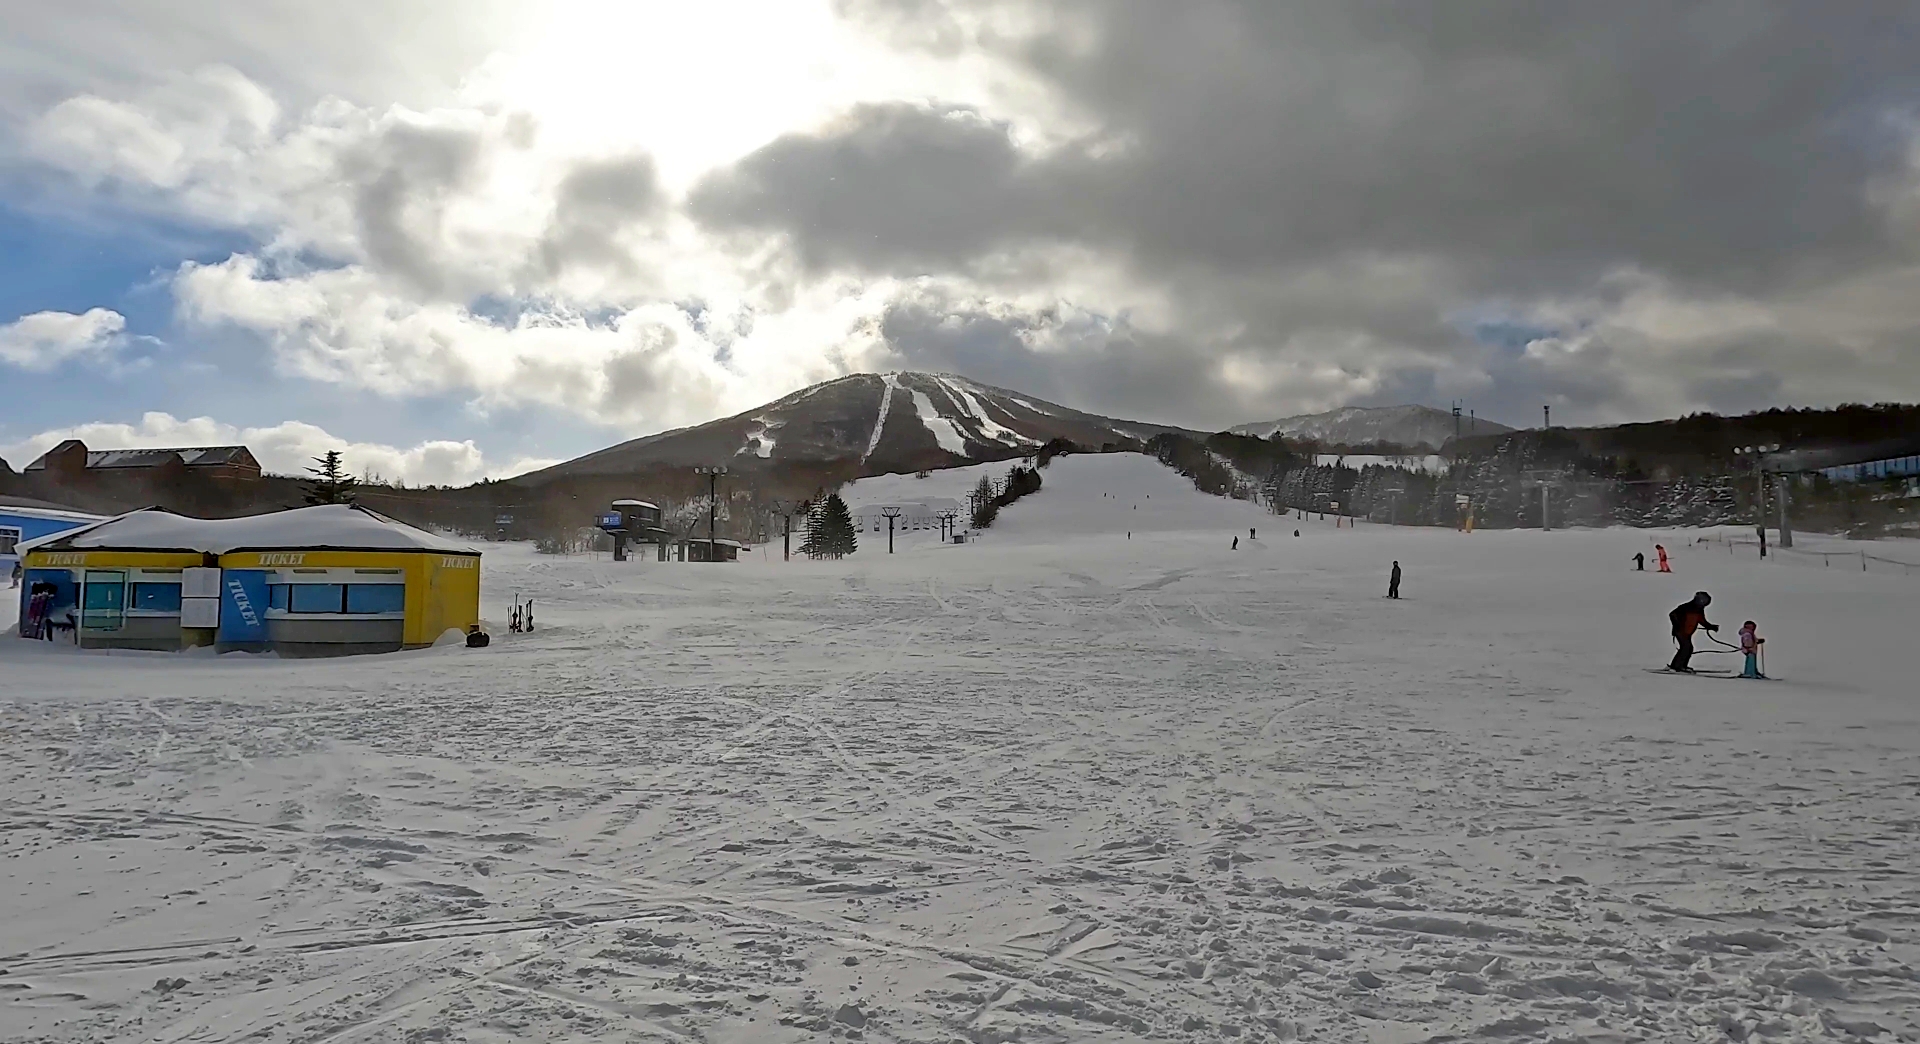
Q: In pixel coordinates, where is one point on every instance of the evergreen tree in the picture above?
(330, 483)
(830, 530)
(985, 510)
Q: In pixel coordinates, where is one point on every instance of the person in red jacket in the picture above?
(1661, 550)
(1688, 617)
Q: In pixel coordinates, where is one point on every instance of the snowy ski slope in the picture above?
(1062, 784)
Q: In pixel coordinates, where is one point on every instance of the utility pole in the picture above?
(946, 525)
(1546, 413)
(1456, 418)
(713, 473)
(1783, 485)
(890, 514)
(1545, 481)
(1759, 455)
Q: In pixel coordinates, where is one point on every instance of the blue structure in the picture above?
(1875, 470)
(22, 520)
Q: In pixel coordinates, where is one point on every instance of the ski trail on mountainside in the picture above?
(989, 428)
(944, 430)
(880, 422)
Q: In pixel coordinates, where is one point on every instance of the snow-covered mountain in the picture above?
(880, 423)
(1409, 426)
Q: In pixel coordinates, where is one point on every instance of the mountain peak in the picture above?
(869, 424)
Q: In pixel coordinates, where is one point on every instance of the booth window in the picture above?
(356, 599)
(9, 539)
(154, 598)
(316, 598)
(376, 598)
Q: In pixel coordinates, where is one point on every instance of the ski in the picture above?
(1708, 672)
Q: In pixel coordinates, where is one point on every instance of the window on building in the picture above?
(277, 596)
(9, 539)
(376, 598)
(316, 598)
(154, 598)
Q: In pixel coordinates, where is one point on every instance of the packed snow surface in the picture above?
(1095, 776)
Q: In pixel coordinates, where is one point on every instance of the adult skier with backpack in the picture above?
(1688, 617)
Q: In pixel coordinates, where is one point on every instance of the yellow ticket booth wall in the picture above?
(332, 603)
(119, 599)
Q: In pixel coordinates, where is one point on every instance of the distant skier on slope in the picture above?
(1688, 617)
(1661, 550)
(1236, 544)
(1393, 581)
(1639, 561)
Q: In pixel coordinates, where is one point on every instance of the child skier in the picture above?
(1750, 644)
(1661, 551)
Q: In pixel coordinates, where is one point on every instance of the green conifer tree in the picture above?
(330, 483)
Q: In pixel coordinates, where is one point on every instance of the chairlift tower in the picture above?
(1546, 482)
(890, 513)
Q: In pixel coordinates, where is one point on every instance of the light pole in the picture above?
(713, 473)
(890, 513)
(1759, 455)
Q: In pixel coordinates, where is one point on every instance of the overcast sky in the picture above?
(462, 237)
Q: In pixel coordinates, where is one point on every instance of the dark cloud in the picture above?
(891, 187)
(404, 179)
(1241, 153)
(595, 204)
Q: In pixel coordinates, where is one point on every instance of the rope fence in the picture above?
(1865, 561)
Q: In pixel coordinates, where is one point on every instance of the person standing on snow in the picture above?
(1639, 561)
(1393, 581)
(1750, 644)
(1661, 551)
(1688, 617)
(1236, 544)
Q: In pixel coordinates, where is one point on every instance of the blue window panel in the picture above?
(104, 596)
(155, 598)
(277, 596)
(316, 598)
(376, 598)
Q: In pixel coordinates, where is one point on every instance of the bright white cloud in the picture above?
(43, 340)
(288, 448)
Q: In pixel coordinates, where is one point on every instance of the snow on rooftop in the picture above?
(322, 527)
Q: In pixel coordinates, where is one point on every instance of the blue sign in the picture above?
(243, 607)
(613, 521)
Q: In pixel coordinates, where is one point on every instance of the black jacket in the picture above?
(1688, 617)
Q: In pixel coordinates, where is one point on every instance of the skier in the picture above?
(1750, 644)
(1639, 561)
(1236, 544)
(1393, 582)
(1688, 617)
(1661, 551)
(1250, 535)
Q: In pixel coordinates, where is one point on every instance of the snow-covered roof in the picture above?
(27, 507)
(325, 527)
(634, 503)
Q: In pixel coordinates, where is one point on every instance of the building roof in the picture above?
(326, 527)
(191, 456)
(634, 503)
(31, 508)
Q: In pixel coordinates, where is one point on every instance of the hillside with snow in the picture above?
(1135, 764)
(1410, 426)
(875, 423)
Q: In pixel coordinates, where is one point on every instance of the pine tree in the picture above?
(985, 510)
(841, 535)
(330, 483)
